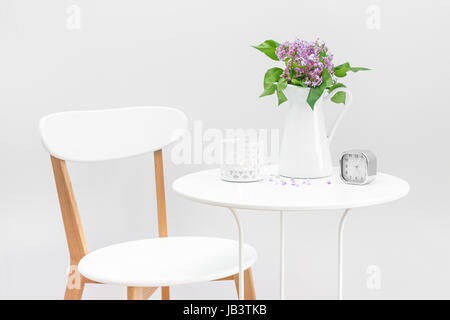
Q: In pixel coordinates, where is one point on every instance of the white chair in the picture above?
(143, 265)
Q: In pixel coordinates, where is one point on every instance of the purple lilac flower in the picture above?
(305, 61)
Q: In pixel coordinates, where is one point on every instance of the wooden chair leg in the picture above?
(148, 292)
(135, 293)
(75, 284)
(161, 204)
(249, 286)
(165, 293)
(74, 292)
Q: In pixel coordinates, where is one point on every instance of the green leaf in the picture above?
(281, 97)
(271, 78)
(272, 75)
(268, 48)
(322, 55)
(273, 82)
(356, 69)
(327, 80)
(282, 83)
(339, 97)
(298, 83)
(341, 70)
(314, 95)
(316, 92)
(335, 86)
(269, 89)
(295, 65)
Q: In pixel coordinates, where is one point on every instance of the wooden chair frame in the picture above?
(77, 244)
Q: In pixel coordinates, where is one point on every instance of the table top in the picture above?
(277, 193)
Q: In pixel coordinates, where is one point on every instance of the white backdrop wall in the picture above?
(196, 55)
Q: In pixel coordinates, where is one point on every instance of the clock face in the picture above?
(354, 167)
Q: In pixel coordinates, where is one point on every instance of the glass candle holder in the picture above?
(241, 160)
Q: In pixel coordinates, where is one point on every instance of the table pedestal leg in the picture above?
(282, 253)
(241, 258)
(341, 254)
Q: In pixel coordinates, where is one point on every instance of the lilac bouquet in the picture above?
(307, 64)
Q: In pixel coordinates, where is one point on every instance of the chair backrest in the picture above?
(106, 135)
(109, 134)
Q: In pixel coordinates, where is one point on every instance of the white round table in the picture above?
(280, 194)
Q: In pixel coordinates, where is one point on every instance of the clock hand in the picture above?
(357, 166)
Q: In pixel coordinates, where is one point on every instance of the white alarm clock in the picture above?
(358, 166)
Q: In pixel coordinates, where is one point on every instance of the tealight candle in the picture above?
(241, 160)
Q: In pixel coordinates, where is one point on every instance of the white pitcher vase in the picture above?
(305, 148)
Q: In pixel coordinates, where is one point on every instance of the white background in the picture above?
(196, 55)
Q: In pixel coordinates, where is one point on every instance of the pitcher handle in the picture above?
(348, 101)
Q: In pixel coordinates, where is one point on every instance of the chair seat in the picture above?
(165, 261)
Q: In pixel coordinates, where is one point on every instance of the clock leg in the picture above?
(241, 260)
(282, 254)
(341, 254)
